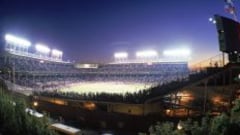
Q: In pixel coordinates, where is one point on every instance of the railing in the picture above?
(219, 60)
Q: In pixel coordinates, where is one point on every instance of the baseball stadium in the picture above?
(116, 95)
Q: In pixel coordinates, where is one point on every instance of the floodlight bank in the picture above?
(42, 48)
(17, 41)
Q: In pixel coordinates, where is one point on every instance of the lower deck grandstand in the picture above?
(47, 75)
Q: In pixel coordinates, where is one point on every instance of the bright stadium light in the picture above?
(17, 41)
(86, 66)
(56, 53)
(177, 53)
(42, 48)
(210, 19)
(121, 55)
(146, 54)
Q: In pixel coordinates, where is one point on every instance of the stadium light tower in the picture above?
(147, 54)
(57, 54)
(42, 49)
(177, 53)
(212, 20)
(121, 55)
(15, 43)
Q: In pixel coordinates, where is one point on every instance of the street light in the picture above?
(179, 125)
(35, 103)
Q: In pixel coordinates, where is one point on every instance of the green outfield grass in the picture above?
(107, 87)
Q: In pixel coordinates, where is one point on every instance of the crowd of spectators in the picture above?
(48, 76)
(32, 72)
(138, 97)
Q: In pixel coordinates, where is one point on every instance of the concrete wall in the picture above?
(124, 108)
(131, 109)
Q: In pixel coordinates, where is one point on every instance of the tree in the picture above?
(15, 121)
(220, 124)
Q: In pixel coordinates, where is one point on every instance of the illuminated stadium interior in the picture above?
(44, 69)
(89, 71)
(105, 87)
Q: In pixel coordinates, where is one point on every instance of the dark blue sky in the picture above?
(92, 30)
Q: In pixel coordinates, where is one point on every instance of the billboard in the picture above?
(228, 34)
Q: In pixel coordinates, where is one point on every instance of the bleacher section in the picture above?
(32, 71)
(44, 75)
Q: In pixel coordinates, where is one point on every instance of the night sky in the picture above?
(92, 30)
